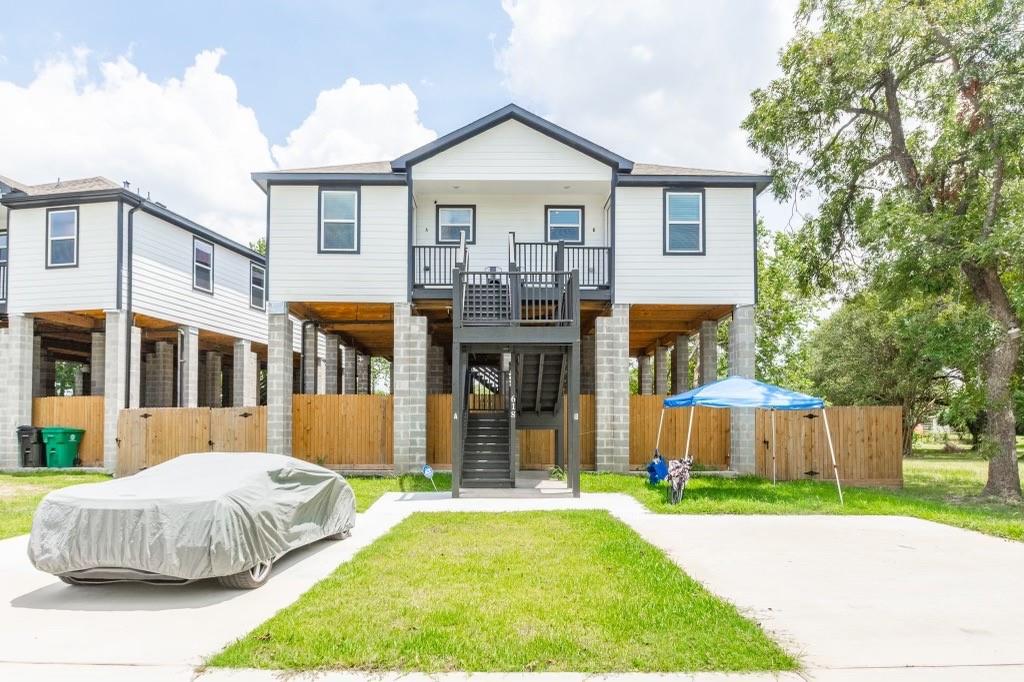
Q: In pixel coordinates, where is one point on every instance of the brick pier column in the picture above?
(16, 349)
(409, 388)
(188, 365)
(135, 373)
(114, 381)
(741, 363)
(611, 363)
(280, 373)
(645, 375)
(331, 373)
(363, 374)
(707, 366)
(661, 370)
(214, 379)
(681, 365)
(97, 363)
(348, 369)
(244, 380)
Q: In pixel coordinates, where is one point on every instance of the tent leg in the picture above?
(657, 442)
(832, 451)
(689, 430)
(774, 478)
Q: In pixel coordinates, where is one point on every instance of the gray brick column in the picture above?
(162, 376)
(37, 367)
(114, 381)
(79, 385)
(331, 372)
(435, 368)
(587, 345)
(741, 363)
(611, 363)
(348, 369)
(135, 375)
(363, 374)
(645, 374)
(681, 365)
(707, 365)
(244, 380)
(280, 373)
(661, 370)
(188, 365)
(310, 358)
(214, 369)
(409, 388)
(16, 349)
(97, 364)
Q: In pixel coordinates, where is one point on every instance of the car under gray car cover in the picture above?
(196, 516)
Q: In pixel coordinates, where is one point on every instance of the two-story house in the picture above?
(148, 307)
(510, 258)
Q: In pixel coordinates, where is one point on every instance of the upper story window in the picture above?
(565, 223)
(339, 221)
(3, 247)
(684, 223)
(202, 265)
(257, 286)
(62, 238)
(454, 221)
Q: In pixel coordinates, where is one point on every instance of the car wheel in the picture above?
(338, 536)
(249, 579)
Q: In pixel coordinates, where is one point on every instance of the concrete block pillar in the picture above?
(135, 372)
(37, 367)
(331, 373)
(681, 365)
(115, 378)
(646, 374)
(188, 367)
(97, 364)
(160, 383)
(79, 381)
(611, 363)
(661, 370)
(435, 369)
(707, 364)
(280, 370)
(310, 358)
(214, 383)
(587, 345)
(409, 387)
(244, 383)
(348, 369)
(741, 363)
(16, 374)
(362, 373)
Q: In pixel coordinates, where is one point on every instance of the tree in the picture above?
(905, 118)
(259, 246)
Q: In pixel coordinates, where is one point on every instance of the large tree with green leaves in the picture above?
(906, 118)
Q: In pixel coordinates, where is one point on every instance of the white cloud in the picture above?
(353, 123)
(658, 81)
(188, 141)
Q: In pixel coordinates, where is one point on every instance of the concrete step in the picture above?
(486, 482)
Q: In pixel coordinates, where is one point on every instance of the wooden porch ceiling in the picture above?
(651, 324)
(369, 327)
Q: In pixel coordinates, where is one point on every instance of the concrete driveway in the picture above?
(857, 598)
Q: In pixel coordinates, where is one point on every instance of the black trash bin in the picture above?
(30, 445)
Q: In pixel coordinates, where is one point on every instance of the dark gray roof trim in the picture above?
(264, 180)
(18, 199)
(758, 182)
(512, 112)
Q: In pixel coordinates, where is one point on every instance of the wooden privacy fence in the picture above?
(343, 431)
(868, 443)
(151, 435)
(709, 442)
(536, 448)
(80, 412)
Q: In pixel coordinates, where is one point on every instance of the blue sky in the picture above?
(187, 98)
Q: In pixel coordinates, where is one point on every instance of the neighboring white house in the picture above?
(148, 307)
(364, 255)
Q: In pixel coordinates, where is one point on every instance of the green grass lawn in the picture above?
(369, 488)
(523, 591)
(20, 494)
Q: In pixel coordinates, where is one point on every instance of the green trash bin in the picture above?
(61, 445)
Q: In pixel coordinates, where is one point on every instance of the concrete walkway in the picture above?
(857, 598)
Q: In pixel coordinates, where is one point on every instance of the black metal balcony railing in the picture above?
(513, 299)
(592, 262)
(432, 265)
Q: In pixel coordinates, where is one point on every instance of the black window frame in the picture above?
(437, 224)
(357, 232)
(78, 234)
(702, 229)
(252, 268)
(547, 223)
(195, 264)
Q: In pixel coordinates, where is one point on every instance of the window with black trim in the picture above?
(3, 248)
(339, 220)
(454, 221)
(684, 212)
(564, 223)
(257, 286)
(202, 265)
(62, 238)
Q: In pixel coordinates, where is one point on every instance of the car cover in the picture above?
(196, 516)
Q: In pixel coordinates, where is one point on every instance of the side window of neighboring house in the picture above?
(3, 247)
(684, 223)
(257, 286)
(564, 223)
(61, 238)
(454, 221)
(202, 265)
(339, 221)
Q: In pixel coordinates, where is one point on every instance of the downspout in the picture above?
(128, 310)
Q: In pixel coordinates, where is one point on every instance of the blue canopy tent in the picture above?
(736, 391)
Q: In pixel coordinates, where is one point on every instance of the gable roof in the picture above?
(654, 174)
(513, 112)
